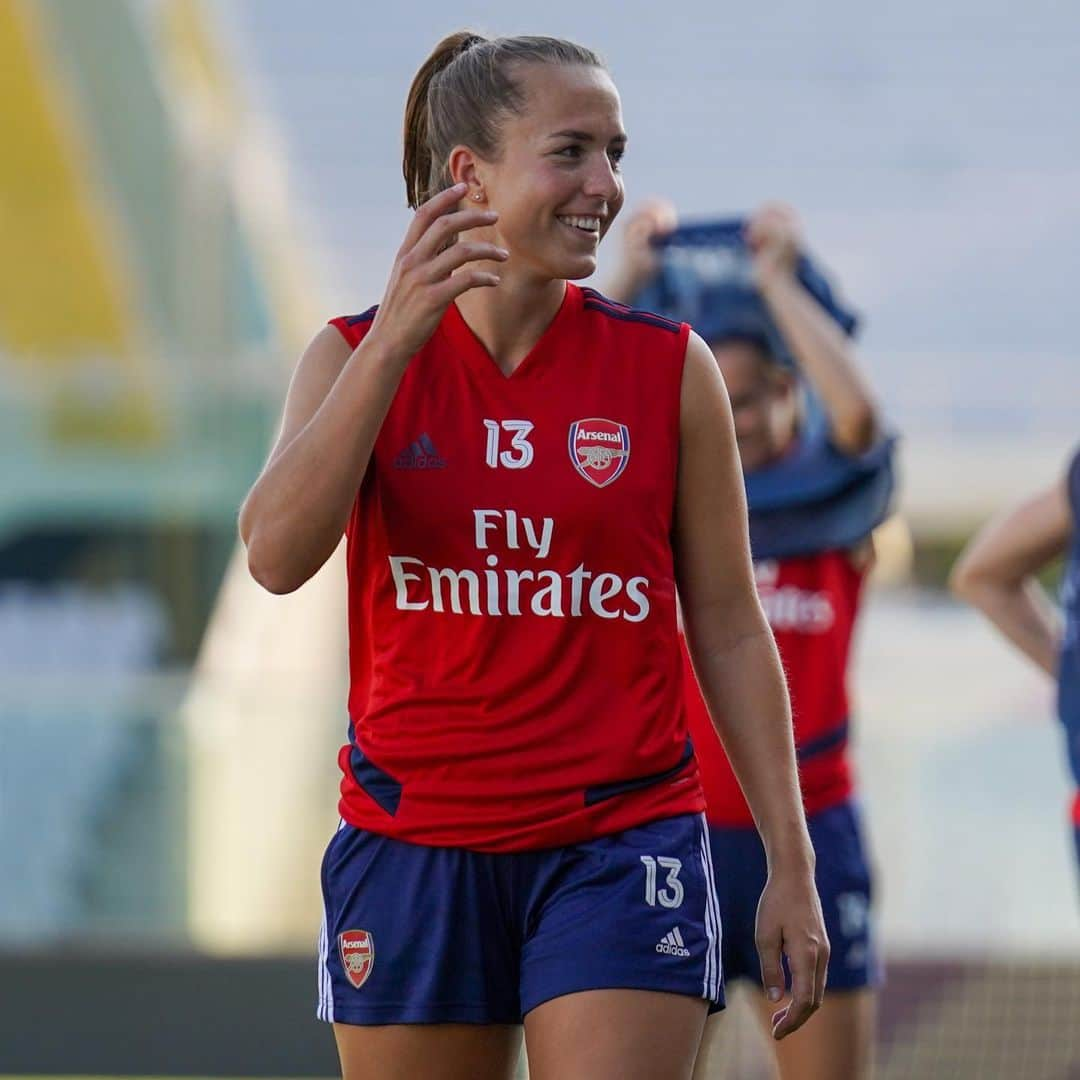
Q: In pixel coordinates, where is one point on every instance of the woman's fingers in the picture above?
(432, 269)
(440, 234)
(463, 281)
(773, 225)
(428, 213)
(771, 958)
(822, 973)
(457, 255)
(655, 216)
(803, 966)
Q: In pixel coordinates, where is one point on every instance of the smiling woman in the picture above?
(518, 759)
(553, 171)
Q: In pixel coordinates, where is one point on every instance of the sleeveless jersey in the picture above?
(1069, 662)
(811, 602)
(514, 657)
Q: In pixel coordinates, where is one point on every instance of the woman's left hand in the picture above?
(790, 923)
(774, 238)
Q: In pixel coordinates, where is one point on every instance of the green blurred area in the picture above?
(140, 381)
(173, 433)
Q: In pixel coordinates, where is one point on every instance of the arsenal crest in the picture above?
(357, 955)
(599, 449)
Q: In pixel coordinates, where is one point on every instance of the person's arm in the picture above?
(995, 573)
(639, 260)
(742, 682)
(294, 516)
(825, 354)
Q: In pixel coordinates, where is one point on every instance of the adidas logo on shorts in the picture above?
(671, 944)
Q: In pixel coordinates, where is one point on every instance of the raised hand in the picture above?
(432, 268)
(650, 221)
(639, 259)
(774, 237)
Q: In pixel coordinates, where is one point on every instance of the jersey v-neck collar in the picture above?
(472, 349)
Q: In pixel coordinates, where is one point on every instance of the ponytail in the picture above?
(417, 164)
(459, 95)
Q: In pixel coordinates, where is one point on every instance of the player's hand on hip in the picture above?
(790, 923)
(434, 266)
(774, 237)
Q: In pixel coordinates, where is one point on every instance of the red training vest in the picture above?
(811, 602)
(514, 657)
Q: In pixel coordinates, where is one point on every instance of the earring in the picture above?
(477, 197)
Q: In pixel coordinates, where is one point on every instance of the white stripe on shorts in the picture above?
(713, 929)
(322, 973)
(325, 1010)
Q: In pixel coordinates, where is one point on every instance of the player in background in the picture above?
(996, 574)
(812, 599)
(522, 838)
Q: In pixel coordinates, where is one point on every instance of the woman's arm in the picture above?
(293, 518)
(742, 682)
(824, 352)
(995, 573)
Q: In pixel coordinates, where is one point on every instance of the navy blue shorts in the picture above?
(426, 935)
(843, 882)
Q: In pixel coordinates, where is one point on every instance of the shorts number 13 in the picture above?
(672, 895)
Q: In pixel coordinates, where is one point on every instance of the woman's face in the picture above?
(764, 403)
(556, 184)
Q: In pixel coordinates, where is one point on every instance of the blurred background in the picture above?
(189, 188)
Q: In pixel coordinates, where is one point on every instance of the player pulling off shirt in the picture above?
(818, 480)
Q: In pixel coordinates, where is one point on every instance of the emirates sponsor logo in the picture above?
(498, 590)
(787, 607)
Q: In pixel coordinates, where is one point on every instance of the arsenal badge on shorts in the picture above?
(357, 955)
(599, 449)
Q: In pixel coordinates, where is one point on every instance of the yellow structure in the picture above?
(65, 292)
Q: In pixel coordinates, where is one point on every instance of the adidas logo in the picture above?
(420, 455)
(672, 944)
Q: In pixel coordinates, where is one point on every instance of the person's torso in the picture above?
(1069, 660)
(513, 650)
(811, 602)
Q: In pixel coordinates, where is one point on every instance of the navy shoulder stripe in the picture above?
(595, 301)
(363, 317)
(595, 294)
(631, 315)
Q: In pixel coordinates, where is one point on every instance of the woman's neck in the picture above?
(510, 318)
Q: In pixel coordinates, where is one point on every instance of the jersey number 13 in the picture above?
(520, 453)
